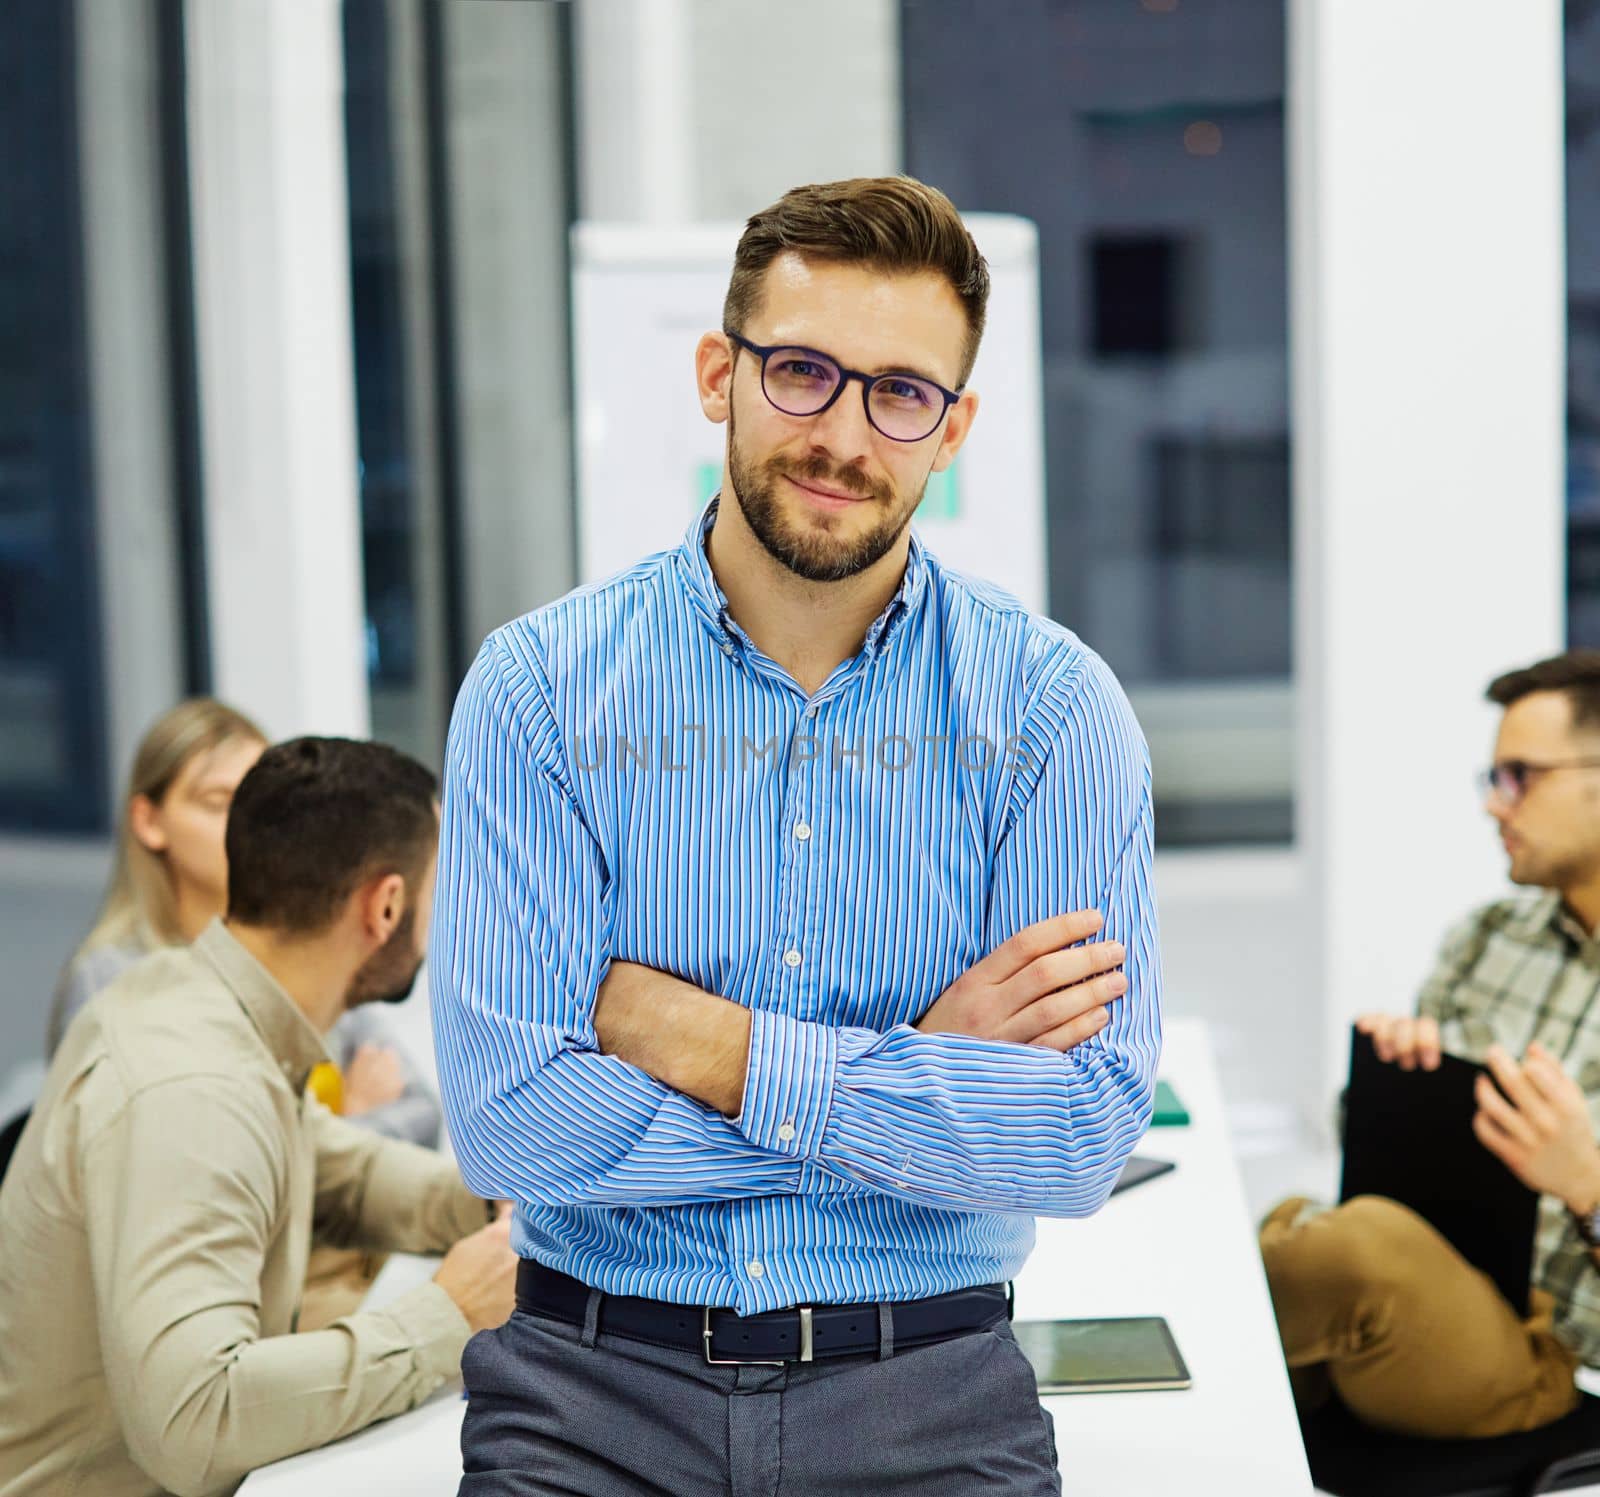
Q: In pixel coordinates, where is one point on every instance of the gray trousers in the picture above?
(555, 1411)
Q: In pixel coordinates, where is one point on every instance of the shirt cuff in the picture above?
(788, 1086)
(437, 1330)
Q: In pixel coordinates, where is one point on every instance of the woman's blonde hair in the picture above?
(140, 905)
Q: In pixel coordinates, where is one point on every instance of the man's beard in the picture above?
(810, 553)
(390, 973)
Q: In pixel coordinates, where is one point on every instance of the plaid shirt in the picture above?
(1520, 970)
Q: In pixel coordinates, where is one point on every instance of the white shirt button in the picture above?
(802, 831)
(791, 958)
(786, 1131)
(756, 1269)
(727, 647)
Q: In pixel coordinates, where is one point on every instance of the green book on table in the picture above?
(1170, 1112)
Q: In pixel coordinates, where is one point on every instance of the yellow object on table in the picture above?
(326, 1084)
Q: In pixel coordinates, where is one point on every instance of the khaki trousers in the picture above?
(1373, 1302)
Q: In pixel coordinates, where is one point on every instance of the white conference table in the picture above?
(1181, 1246)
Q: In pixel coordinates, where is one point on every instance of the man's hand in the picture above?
(374, 1079)
(1539, 1129)
(480, 1274)
(1039, 988)
(1407, 1043)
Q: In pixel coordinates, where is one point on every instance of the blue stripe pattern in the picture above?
(629, 776)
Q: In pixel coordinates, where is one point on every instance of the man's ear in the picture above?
(384, 906)
(144, 821)
(957, 424)
(713, 375)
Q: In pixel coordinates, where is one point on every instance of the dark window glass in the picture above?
(51, 742)
(1583, 321)
(1145, 138)
(389, 50)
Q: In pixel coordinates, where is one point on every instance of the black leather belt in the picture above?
(805, 1334)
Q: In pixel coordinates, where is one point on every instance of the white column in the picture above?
(1425, 182)
(789, 94)
(272, 290)
(129, 364)
(635, 110)
(696, 110)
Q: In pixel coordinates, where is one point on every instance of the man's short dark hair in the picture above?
(897, 225)
(1575, 674)
(315, 819)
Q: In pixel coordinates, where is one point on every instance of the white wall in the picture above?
(707, 109)
(1426, 215)
(277, 387)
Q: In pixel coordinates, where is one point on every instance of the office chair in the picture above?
(1350, 1459)
(8, 1139)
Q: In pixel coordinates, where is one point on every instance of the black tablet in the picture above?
(1136, 1355)
(1138, 1169)
(1408, 1136)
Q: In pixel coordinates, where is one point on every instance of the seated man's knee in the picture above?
(1368, 1243)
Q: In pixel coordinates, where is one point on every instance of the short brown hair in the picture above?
(894, 224)
(1576, 674)
(315, 819)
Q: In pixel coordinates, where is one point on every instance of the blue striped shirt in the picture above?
(628, 776)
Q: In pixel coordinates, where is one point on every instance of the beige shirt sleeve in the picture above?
(200, 1397)
(377, 1192)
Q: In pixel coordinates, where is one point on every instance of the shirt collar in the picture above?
(284, 1029)
(711, 605)
(1547, 912)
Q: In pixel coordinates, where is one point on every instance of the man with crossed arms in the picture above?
(759, 980)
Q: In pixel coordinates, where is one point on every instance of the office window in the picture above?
(1583, 322)
(1146, 141)
(392, 289)
(102, 611)
(51, 749)
(457, 131)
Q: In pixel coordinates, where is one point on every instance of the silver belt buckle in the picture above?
(807, 1345)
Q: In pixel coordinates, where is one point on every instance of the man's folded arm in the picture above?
(184, 1191)
(521, 941)
(952, 1121)
(1013, 1127)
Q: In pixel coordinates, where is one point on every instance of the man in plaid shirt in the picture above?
(1371, 1301)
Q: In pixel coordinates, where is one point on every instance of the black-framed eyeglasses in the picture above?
(1510, 778)
(805, 381)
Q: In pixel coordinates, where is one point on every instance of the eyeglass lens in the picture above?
(1507, 780)
(903, 407)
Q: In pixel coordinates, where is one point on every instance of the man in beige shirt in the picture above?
(156, 1219)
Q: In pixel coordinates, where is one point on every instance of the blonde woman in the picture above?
(171, 879)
